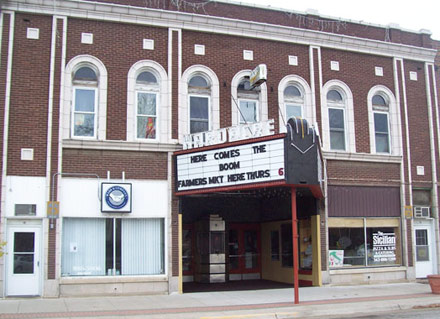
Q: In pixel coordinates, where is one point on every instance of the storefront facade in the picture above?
(100, 98)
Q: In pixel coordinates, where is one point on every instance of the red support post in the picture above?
(295, 244)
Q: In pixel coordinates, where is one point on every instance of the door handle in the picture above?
(38, 264)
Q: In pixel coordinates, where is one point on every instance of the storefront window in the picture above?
(112, 246)
(364, 242)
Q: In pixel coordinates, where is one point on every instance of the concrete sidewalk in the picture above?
(261, 304)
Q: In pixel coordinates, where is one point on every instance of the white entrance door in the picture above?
(424, 249)
(23, 268)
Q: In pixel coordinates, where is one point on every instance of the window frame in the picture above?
(75, 112)
(394, 121)
(257, 109)
(337, 105)
(156, 117)
(347, 106)
(388, 132)
(68, 107)
(208, 97)
(365, 223)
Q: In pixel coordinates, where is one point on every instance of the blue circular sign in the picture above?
(116, 197)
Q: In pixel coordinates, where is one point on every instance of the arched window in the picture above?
(147, 96)
(384, 122)
(199, 93)
(248, 102)
(148, 109)
(84, 111)
(293, 102)
(85, 101)
(336, 116)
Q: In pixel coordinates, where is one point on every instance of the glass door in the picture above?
(244, 249)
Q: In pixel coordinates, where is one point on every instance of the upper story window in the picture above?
(381, 123)
(248, 102)
(384, 122)
(147, 96)
(336, 116)
(84, 107)
(199, 93)
(293, 102)
(148, 109)
(85, 102)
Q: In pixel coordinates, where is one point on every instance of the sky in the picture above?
(408, 14)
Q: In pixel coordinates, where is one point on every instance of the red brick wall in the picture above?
(302, 21)
(358, 72)
(136, 165)
(118, 46)
(224, 55)
(29, 95)
(363, 173)
(416, 93)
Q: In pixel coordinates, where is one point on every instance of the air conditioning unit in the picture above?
(422, 212)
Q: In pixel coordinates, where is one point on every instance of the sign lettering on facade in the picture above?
(230, 166)
(384, 247)
(229, 134)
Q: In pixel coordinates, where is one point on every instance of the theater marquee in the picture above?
(291, 159)
(231, 166)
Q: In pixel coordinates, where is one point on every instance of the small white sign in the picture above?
(335, 258)
(116, 198)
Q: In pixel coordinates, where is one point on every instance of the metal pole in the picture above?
(295, 244)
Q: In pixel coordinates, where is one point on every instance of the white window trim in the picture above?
(262, 101)
(209, 109)
(163, 108)
(184, 100)
(101, 106)
(95, 113)
(139, 139)
(395, 138)
(257, 106)
(350, 139)
(307, 107)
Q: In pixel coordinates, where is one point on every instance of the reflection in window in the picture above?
(147, 100)
(84, 102)
(381, 124)
(24, 251)
(337, 129)
(294, 102)
(422, 245)
(199, 89)
(248, 102)
(370, 246)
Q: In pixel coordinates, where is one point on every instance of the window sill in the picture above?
(362, 157)
(372, 269)
(112, 279)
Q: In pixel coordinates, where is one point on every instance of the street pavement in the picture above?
(318, 302)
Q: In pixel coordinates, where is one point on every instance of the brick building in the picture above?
(99, 97)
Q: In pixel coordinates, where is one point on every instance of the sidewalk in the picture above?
(261, 304)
